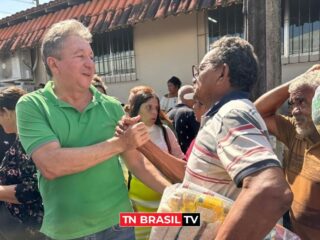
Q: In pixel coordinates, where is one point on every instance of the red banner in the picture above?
(159, 219)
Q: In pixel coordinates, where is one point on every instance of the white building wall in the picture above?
(290, 71)
(40, 71)
(164, 48)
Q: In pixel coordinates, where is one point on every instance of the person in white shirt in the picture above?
(169, 100)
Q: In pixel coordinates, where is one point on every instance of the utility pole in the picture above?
(263, 30)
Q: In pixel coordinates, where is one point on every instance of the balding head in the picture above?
(182, 92)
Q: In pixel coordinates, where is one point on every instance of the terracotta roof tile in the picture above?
(162, 10)
(78, 10)
(15, 43)
(85, 8)
(93, 21)
(98, 15)
(183, 6)
(99, 7)
(99, 23)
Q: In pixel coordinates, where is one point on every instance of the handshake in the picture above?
(131, 132)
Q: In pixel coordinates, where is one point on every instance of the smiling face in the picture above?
(300, 101)
(149, 111)
(74, 68)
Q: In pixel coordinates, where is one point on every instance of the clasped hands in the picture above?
(132, 132)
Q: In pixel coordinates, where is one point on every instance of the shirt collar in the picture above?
(233, 95)
(48, 92)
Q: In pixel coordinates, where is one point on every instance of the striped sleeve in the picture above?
(243, 144)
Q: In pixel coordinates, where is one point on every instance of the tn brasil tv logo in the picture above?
(141, 219)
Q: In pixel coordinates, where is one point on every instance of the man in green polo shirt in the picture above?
(68, 129)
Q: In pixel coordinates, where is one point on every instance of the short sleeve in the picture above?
(243, 145)
(287, 132)
(33, 128)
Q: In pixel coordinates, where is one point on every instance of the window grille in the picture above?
(225, 21)
(114, 55)
(304, 28)
(300, 30)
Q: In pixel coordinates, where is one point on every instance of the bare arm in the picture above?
(8, 194)
(54, 161)
(145, 171)
(264, 198)
(268, 103)
(173, 168)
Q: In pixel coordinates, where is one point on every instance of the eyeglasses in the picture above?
(195, 72)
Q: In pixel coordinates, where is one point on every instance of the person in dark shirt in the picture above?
(183, 118)
(6, 140)
(18, 181)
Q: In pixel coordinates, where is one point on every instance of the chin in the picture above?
(304, 132)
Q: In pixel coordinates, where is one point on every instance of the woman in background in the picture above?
(169, 100)
(146, 104)
(98, 83)
(18, 181)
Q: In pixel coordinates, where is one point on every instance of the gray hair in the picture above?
(57, 34)
(183, 91)
(306, 80)
(239, 55)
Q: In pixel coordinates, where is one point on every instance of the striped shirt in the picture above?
(231, 144)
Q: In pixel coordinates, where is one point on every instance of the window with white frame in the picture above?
(225, 21)
(301, 29)
(114, 55)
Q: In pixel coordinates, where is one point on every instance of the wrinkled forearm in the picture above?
(170, 166)
(268, 104)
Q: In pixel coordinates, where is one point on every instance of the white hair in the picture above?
(184, 90)
(308, 80)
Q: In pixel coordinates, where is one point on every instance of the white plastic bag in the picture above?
(213, 209)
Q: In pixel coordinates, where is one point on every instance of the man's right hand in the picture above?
(135, 136)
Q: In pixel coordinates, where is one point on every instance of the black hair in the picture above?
(140, 99)
(239, 55)
(10, 96)
(175, 81)
(134, 109)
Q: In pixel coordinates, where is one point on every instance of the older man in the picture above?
(68, 129)
(232, 154)
(298, 133)
(183, 118)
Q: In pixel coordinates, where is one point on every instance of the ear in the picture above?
(224, 76)
(226, 71)
(52, 63)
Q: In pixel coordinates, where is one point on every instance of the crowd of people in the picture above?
(61, 177)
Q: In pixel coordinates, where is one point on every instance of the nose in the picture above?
(296, 110)
(89, 62)
(155, 112)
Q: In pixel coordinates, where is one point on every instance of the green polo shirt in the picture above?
(84, 203)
